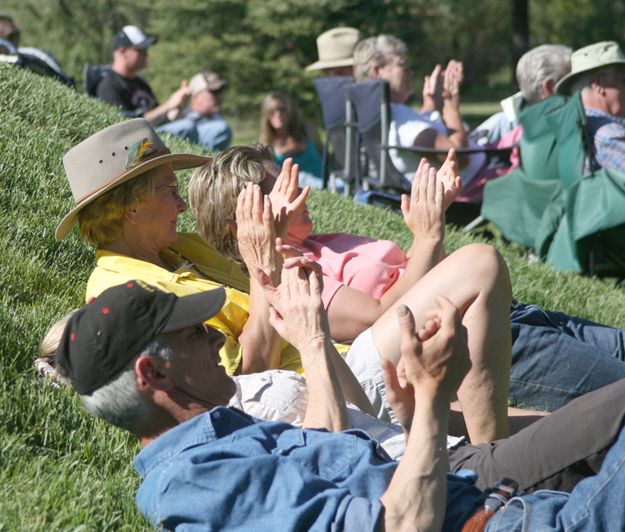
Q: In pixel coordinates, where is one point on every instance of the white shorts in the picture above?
(363, 358)
(280, 395)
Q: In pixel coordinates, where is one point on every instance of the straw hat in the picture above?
(335, 48)
(113, 156)
(591, 57)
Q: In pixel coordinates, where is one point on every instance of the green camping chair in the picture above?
(572, 219)
(515, 202)
(590, 236)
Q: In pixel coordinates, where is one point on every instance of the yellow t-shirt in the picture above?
(201, 268)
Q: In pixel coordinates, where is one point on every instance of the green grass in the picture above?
(59, 468)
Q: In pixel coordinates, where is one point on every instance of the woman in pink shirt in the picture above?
(555, 357)
(475, 278)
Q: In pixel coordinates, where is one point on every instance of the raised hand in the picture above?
(452, 81)
(437, 357)
(424, 211)
(296, 310)
(255, 230)
(432, 90)
(448, 175)
(287, 250)
(177, 100)
(286, 199)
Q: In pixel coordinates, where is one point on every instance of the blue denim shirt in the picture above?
(225, 470)
(212, 133)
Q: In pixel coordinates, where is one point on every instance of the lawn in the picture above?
(59, 468)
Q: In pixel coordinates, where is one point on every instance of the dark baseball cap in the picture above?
(133, 37)
(102, 337)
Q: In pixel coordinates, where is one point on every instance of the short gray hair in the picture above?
(376, 51)
(548, 62)
(119, 402)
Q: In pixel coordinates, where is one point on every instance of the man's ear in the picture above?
(548, 88)
(374, 72)
(149, 376)
(597, 86)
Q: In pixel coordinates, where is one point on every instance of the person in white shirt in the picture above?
(438, 124)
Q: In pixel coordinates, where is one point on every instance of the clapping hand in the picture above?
(255, 229)
(296, 311)
(286, 199)
(448, 175)
(434, 360)
(432, 90)
(424, 211)
(452, 81)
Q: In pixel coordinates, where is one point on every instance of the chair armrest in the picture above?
(459, 151)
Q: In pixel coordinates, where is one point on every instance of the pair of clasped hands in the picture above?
(435, 356)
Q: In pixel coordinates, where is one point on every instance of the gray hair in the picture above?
(376, 51)
(119, 402)
(549, 62)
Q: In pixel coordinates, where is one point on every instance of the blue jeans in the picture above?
(596, 503)
(557, 357)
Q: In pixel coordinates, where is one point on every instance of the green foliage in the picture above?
(577, 24)
(259, 45)
(61, 469)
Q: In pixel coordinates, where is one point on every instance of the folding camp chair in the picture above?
(590, 236)
(35, 60)
(371, 101)
(516, 202)
(92, 75)
(43, 63)
(572, 219)
(341, 147)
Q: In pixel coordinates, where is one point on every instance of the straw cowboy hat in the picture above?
(592, 57)
(335, 48)
(113, 156)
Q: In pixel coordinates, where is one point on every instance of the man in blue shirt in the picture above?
(202, 123)
(212, 467)
(598, 73)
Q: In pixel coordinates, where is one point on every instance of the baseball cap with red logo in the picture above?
(102, 337)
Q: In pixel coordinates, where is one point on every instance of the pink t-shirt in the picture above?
(512, 138)
(371, 266)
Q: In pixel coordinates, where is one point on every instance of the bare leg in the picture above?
(475, 278)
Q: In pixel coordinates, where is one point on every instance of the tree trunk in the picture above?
(520, 32)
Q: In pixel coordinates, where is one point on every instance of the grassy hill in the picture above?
(59, 468)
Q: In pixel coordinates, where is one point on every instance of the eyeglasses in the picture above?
(174, 190)
(279, 109)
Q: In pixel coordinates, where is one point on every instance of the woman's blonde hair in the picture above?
(102, 221)
(214, 188)
(294, 125)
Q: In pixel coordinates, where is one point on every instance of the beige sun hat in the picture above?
(589, 58)
(113, 156)
(335, 48)
(206, 80)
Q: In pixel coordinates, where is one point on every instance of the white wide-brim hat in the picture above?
(592, 57)
(113, 156)
(335, 48)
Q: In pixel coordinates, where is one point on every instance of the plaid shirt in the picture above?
(608, 133)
